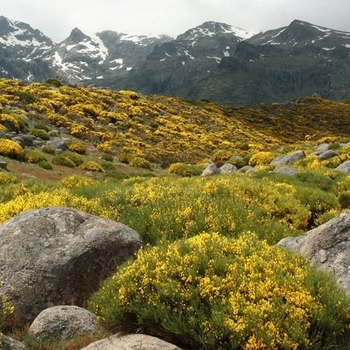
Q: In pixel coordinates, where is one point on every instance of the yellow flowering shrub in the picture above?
(214, 292)
(261, 158)
(75, 181)
(49, 198)
(77, 147)
(9, 122)
(183, 169)
(11, 149)
(91, 165)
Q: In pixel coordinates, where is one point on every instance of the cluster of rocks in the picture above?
(53, 259)
(281, 164)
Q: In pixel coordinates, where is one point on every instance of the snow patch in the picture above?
(217, 59)
(189, 55)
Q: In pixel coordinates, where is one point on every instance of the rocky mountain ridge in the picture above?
(214, 61)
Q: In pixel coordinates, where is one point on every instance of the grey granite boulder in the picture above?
(8, 343)
(344, 167)
(288, 159)
(63, 322)
(57, 255)
(327, 247)
(327, 154)
(210, 169)
(131, 342)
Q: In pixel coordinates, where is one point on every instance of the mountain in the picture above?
(290, 62)
(213, 61)
(99, 58)
(29, 55)
(21, 51)
(176, 67)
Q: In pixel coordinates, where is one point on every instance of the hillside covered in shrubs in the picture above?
(204, 278)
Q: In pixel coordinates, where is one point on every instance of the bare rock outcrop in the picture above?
(327, 247)
(57, 255)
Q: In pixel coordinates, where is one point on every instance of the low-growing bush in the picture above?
(107, 166)
(61, 159)
(53, 82)
(140, 162)
(74, 157)
(77, 147)
(9, 122)
(92, 166)
(6, 310)
(222, 155)
(45, 164)
(48, 149)
(42, 126)
(183, 169)
(6, 179)
(213, 292)
(25, 97)
(261, 158)
(33, 156)
(41, 133)
(108, 157)
(11, 149)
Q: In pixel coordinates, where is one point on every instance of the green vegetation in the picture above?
(6, 309)
(210, 275)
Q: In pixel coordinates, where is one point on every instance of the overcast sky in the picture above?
(56, 18)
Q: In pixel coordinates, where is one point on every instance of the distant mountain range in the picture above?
(213, 61)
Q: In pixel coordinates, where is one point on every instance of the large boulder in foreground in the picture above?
(131, 342)
(57, 255)
(327, 247)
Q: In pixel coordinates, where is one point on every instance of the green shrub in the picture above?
(183, 169)
(25, 97)
(45, 165)
(213, 292)
(33, 156)
(42, 126)
(92, 166)
(74, 157)
(107, 166)
(61, 159)
(11, 149)
(48, 149)
(53, 82)
(108, 157)
(41, 133)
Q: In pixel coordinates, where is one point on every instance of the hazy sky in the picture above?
(56, 18)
